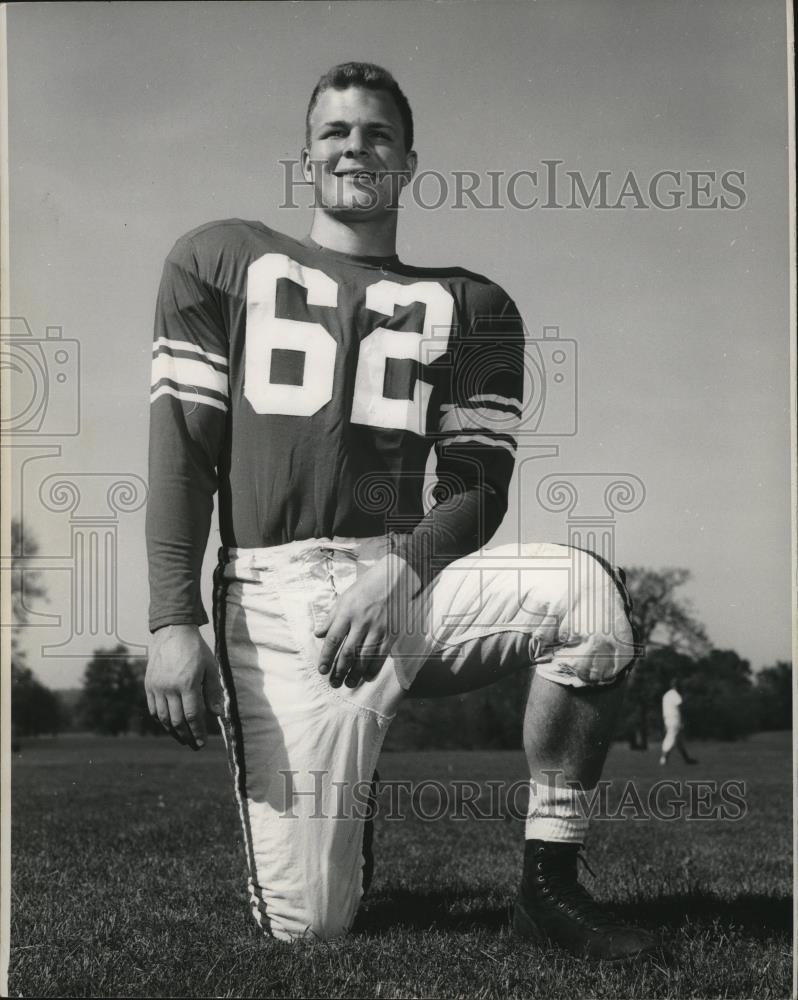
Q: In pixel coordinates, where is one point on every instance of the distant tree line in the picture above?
(112, 699)
(110, 702)
(723, 698)
(35, 709)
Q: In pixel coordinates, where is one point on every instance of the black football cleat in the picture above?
(554, 908)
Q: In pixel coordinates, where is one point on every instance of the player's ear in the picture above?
(304, 160)
(411, 165)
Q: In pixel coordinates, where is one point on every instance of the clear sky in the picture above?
(132, 123)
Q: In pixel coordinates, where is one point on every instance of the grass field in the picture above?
(128, 881)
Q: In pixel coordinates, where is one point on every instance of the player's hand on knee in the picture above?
(365, 621)
(181, 669)
(352, 656)
(338, 651)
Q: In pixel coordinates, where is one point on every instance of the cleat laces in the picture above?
(572, 898)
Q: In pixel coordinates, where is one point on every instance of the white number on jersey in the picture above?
(267, 332)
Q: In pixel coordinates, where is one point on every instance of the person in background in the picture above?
(672, 720)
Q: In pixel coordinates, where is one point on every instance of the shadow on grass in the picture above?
(427, 911)
(758, 916)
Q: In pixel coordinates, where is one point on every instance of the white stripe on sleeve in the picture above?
(188, 373)
(184, 345)
(491, 398)
(480, 439)
(466, 418)
(188, 396)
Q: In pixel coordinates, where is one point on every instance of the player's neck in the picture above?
(375, 238)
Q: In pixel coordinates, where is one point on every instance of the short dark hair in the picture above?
(370, 76)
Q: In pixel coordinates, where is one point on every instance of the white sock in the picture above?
(556, 813)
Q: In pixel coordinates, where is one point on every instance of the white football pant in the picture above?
(303, 753)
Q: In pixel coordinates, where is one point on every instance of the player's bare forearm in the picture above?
(365, 621)
(181, 678)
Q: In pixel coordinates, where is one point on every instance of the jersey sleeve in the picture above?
(480, 406)
(188, 414)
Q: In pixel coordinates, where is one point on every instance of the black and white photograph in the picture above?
(398, 499)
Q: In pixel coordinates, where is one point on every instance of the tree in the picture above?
(773, 689)
(24, 582)
(112, 691)
(35, 709)
(663, 620)
(719, 701)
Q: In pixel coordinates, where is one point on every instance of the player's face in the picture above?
(356, 158)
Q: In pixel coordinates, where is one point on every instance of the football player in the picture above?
(306, 382)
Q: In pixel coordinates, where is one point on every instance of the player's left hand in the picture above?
(365, 620)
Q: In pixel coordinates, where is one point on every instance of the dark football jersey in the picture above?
(308, 387)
